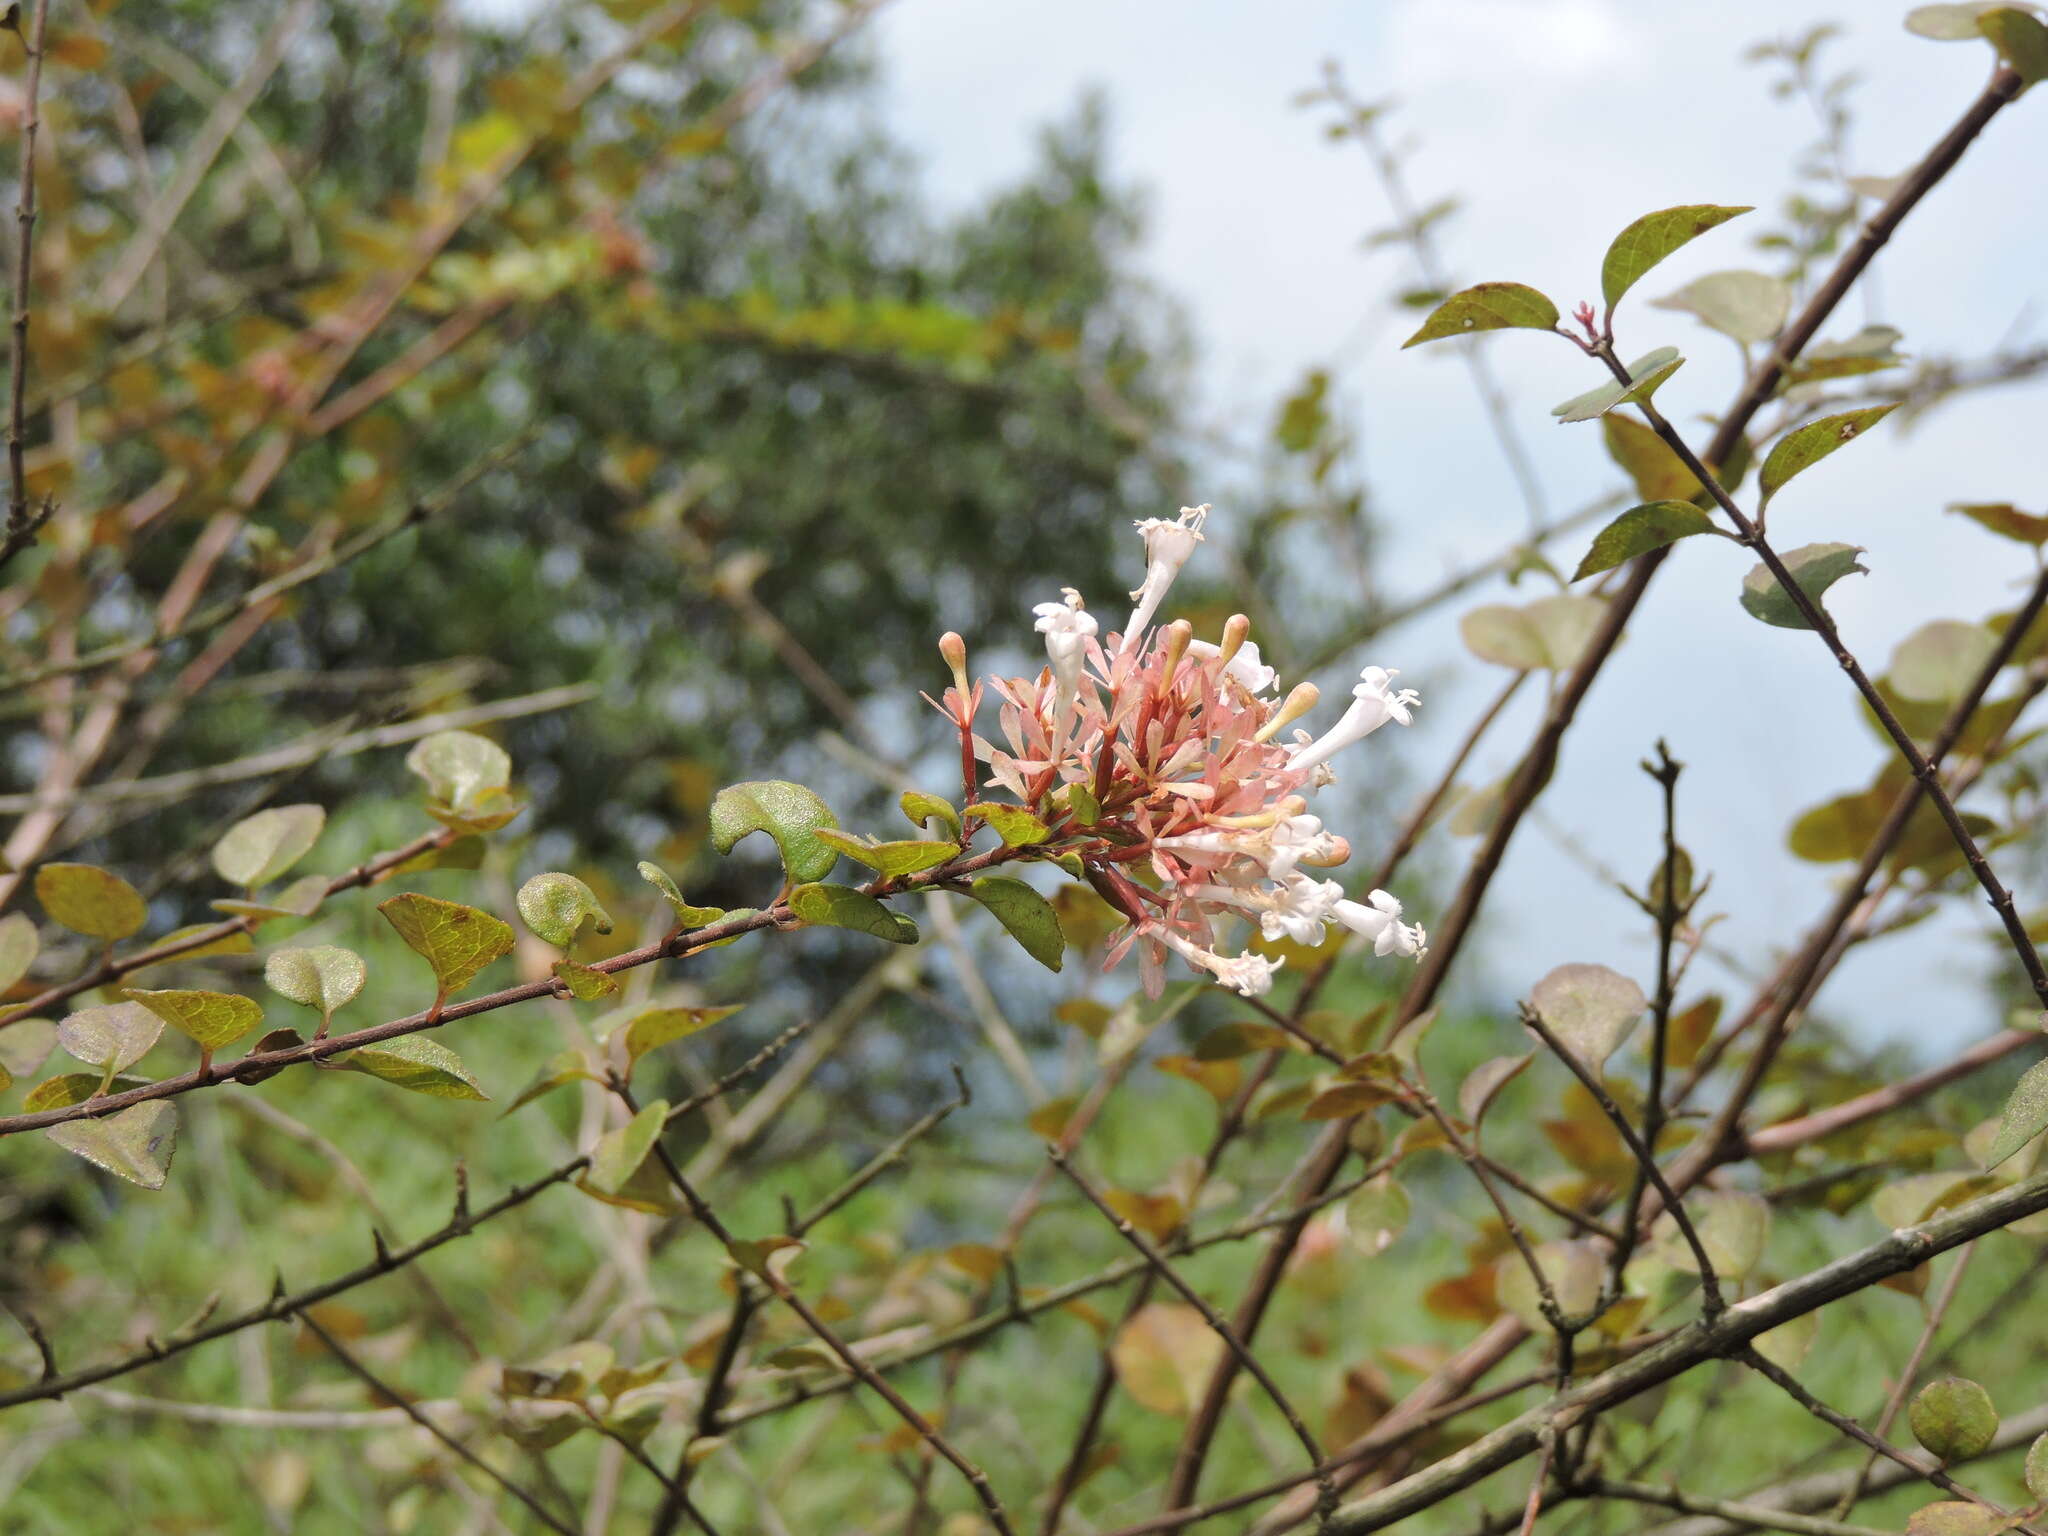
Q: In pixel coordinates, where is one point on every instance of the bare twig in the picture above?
(22, 525)
(411, 1410)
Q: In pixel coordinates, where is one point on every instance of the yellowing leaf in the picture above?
(212, 1019)
(18, 946)
(89, 900)
(112, 1037)
(457, 941)
(1487, 307)
(659, 1026)
(418, 1065)
(1164, 1356)
(1017, 827)
(135, 1144)
(620, 1152)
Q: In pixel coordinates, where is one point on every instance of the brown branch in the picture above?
(1942, 1301)
(1727, 1334)
(1791, 1386)
(22, 525)
(869, 1377)
(363, 1373)
(1157, 1261)
(114, 967)
(461, 1224)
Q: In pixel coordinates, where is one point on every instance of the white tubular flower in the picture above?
(1296, 909)
(1245, 666)
(1067, 628)
(1289, 841)
(1247, 975)
(1373, 704)
(1167, 547)
(1378, 918)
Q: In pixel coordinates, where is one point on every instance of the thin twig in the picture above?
(369, 1379)
(1327, 1490)
(22, 525)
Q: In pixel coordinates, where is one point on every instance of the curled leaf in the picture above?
(556, 906)
(1814, 567)
(787, 812)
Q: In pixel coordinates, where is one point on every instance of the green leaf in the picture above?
(135, 1144)
(1951, 23)
(1573, 1270)
(558, 1070)
(322, 976)
(586, 983)
(465, 852)
(74, 1088)
(841, 906)
(1748, 306)
(648, 1031)
(1025, 915)
(457, 941)
(1953, 1419)
(18, 946)
(1658, 473)
(1550, 632)
(2021, 41)
(112, 1037)
(418, 1065)
(1640, 530)
(1650, 239)
(1080, 801)
(556, 906)
(2007, 520)
(2026, 1115)
(259, 848)
(1955, 1517)
(1938, 662)
(1816, 567)
(619, 1153)
(302, 898)
(919, 808)
(787, 812)
(1871, 350)
(1645, 376)
(1590, 1009)
(89, 900)
(460, 768)
(686, 915)
(26, 1044)
(898, 858)
(1376, 1215)
(2037, 1469)
(1227, 1042)
(1017, 827)
(1804, 447)
(1487, 307)
(211, 1019)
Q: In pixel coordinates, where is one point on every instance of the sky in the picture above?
(1556, 122)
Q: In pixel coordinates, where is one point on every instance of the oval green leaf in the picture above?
(1025, 915)
(619, 1153)
(259, 848)
(417, 1065)
(906, 857)
(841, 906)
(1640, 530)
(1590, 1009)
(2025, 1117)
(89, 900)
(211, 1019)
(1804, 447)
(320, 976)
(18, 946)
(1653, 237)
(1952, 1418)
(460, 767)
(457, 941)
(660, 1026)
(1487, 307)
(135, 1144)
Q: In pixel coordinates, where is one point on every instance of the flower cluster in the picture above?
(1154, 762)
